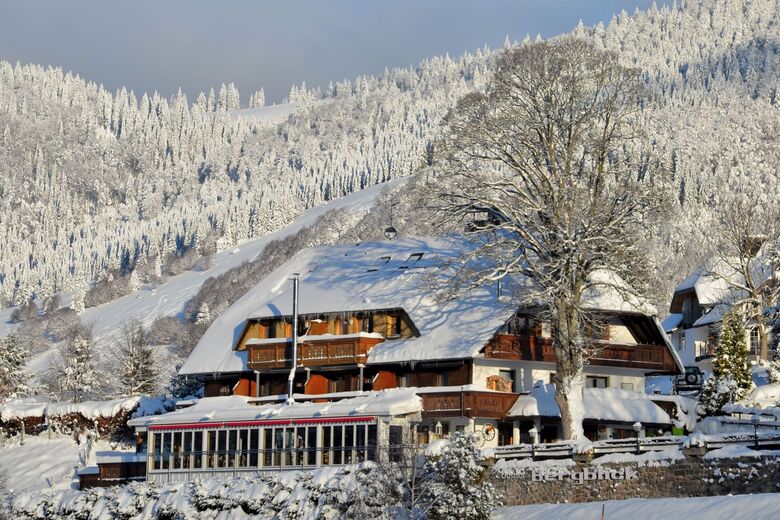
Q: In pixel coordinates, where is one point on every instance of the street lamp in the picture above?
(637, 429)
(534, 433)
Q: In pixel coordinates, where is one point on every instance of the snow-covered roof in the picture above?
(384, 275)
(709, 282)
(714, 315)
(398, 401)
(671, 322)
(606, 404)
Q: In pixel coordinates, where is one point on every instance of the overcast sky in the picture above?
(161, 45)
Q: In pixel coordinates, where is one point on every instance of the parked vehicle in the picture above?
(691, 380)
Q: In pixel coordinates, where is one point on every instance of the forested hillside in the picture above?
(95, 184)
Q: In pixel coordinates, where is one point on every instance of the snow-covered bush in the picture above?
(717, 393)
(454, 483)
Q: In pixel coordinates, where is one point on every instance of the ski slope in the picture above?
(170, 297)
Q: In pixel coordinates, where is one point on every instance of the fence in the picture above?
(638, 445)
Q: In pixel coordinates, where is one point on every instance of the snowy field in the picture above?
(169, 298)
(43, 463)
(754, 507)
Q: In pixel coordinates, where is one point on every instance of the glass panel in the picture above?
(212, 450)
(338, 432)
(289, 445)
(197, 449)
(166, 450)
(268, 433)
(187, 451)
(243, 446)
(157, 450)
(232, 448)
(222, 449)
(254, 446)
(360, 443)
(349, 443)
(278, 445)
(326, 438)
(311, 446)
(372, 442)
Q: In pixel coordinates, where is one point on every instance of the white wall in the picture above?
(528, 373)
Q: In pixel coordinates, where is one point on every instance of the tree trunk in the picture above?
(763, 340)
(568, 379)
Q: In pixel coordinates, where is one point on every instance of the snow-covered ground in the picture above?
(169, 298)
(43, 463)
(755, 507)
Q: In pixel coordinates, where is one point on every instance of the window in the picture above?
(404, 380)
(393, 326)
(596, 382)
(367, 324)
(627, 386)
(519, 325)
(442, 379)
(509, 375)
(546, 330)
(755, 341)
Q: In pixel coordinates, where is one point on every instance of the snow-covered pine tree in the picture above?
(731, 353)
(136, 361)
(731, 375)
(134, 282)
(74, 375)
(204, 315)
(13, 376)
(183, 387)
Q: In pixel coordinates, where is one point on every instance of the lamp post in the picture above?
(534, 433)
(291, 377)
(637, 430)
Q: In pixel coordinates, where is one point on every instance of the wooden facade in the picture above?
(113, 474)
(656, 358)
(322, 351)
(494, 405)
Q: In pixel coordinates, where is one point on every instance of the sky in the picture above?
(162, 45)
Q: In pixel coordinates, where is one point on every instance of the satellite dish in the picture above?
(390, 232)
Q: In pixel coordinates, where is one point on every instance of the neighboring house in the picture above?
(370, 324)
(697, 310)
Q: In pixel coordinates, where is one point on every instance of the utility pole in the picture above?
(291, 378)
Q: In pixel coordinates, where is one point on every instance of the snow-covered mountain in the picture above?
(96, 185)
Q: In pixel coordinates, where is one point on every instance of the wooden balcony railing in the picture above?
(532, 348)
(468, 404)
(323, 351)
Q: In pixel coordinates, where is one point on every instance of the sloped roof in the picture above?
(384, 275)
(671, 322)
(397, 401)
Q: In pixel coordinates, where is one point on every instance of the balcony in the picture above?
(313, 351)
(532, 348)
(467, 403)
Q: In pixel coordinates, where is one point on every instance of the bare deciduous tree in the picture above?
(551, 148)
(748, 257)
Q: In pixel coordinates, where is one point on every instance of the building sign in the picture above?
(580, 476)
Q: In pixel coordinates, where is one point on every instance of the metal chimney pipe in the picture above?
(291, 377)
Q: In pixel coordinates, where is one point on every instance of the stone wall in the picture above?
(588, 482)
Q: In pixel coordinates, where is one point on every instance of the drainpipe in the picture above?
(257, 383)
(361, 366)
(291, 377)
